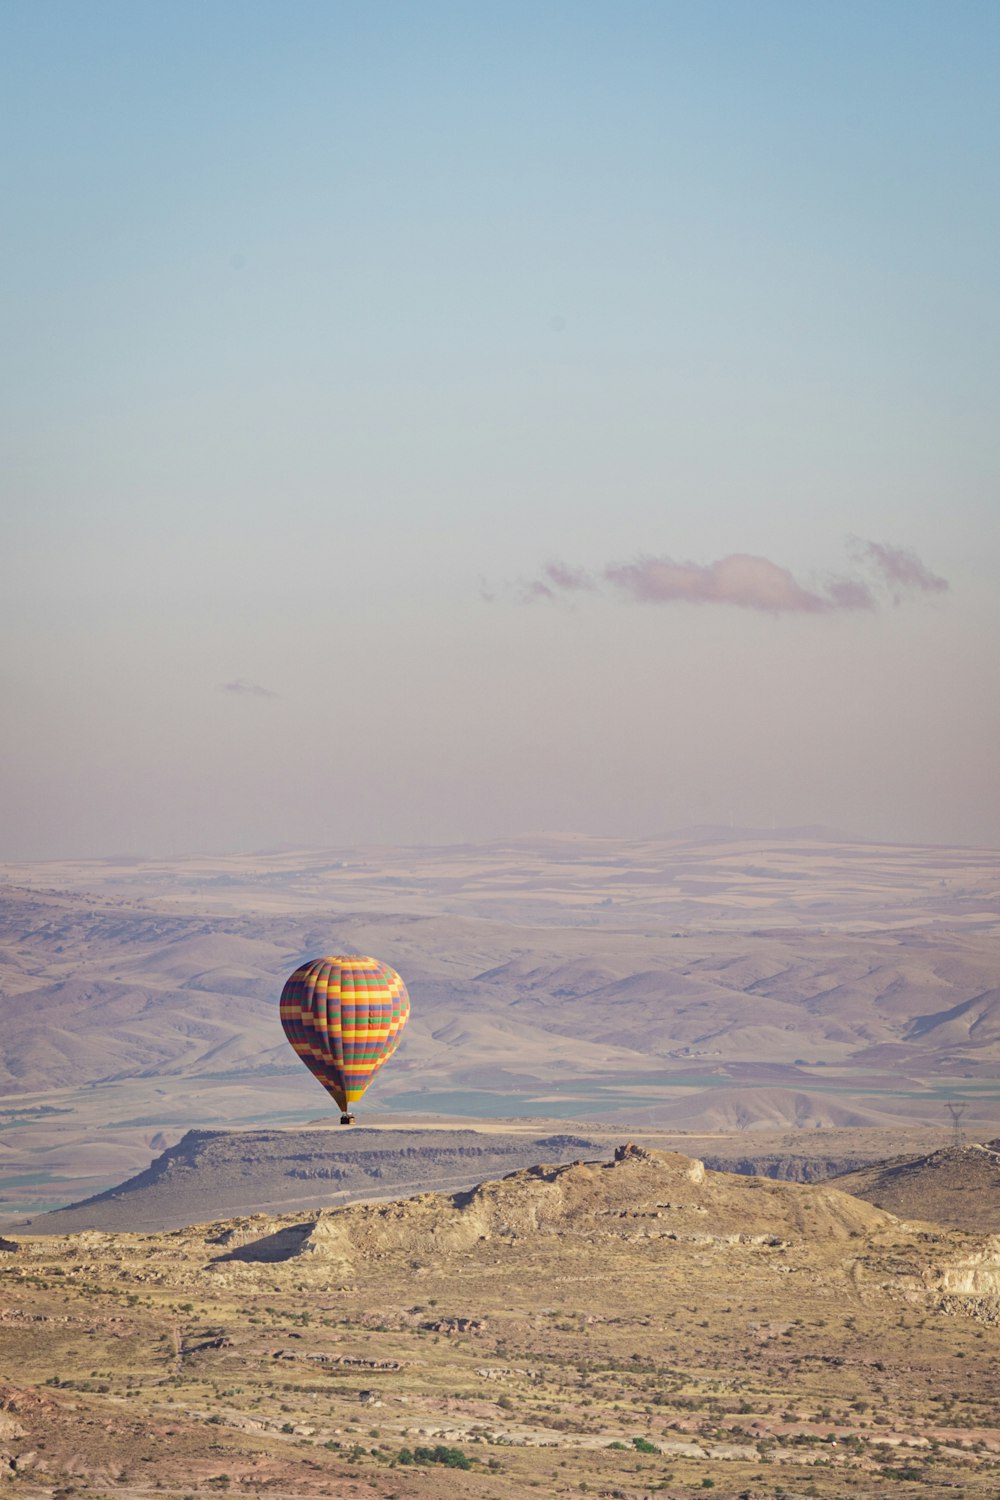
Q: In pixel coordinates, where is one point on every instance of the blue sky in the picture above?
(328, 327)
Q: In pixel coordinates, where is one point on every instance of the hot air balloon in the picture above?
(344, 1016)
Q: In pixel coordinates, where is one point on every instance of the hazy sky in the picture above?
(426, 422)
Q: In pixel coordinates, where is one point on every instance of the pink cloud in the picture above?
(849, 593)
(557, 578)
(899, 567)
(744, 581)
(748, 582)
(564, 577)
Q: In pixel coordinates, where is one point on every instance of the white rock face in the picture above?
(974, 1275)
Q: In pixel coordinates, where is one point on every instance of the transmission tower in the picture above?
(957, 1108)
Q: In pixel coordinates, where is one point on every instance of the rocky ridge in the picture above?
(642, 1200)
(636, 1325)
(959, 1185)
(209, 1173)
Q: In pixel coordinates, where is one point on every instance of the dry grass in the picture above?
(767, 1337)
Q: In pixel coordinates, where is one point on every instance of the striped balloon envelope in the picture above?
(344, 1016)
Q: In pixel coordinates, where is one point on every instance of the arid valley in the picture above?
(584, 1237)
(499, 833)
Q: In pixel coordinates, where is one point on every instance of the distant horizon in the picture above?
(714, 832)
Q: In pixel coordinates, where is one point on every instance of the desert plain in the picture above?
(581, 1305)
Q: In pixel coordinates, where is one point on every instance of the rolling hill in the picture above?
(957, 1185)
(739, 984)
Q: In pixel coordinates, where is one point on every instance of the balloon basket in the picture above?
(347, 1119)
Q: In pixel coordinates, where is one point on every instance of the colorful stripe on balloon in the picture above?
(344, 1016)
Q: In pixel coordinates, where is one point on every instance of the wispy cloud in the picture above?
(898, 567)
(535, 589)
(249, 689)
(573, 580)
(745, 581)
(556, 579)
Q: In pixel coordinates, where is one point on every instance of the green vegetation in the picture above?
(452, 1458)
